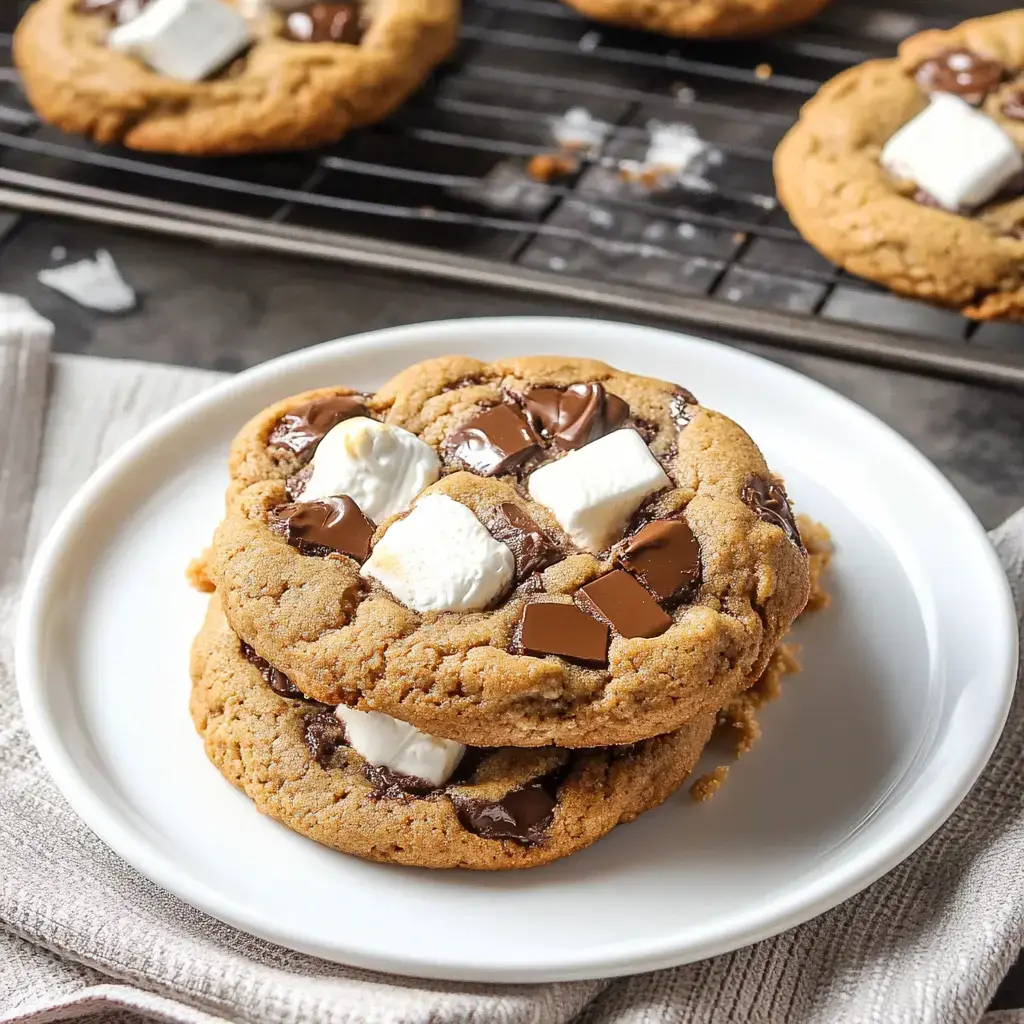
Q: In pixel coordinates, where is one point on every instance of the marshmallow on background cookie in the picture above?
(184, 39)
(594, 490)
(387, 743)
(956, 154)
(441, 558)
(380, 467)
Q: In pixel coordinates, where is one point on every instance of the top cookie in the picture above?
(590, 558)
(307, 78)
(714, 19)
(925, 197)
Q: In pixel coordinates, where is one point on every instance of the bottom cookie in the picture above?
(503, 808)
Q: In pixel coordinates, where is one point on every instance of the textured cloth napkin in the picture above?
(83, 936)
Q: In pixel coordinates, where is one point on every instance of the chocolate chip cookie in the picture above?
(499, 809)
(716, 19)
(310, 74)
(538, 551)
(908, 171)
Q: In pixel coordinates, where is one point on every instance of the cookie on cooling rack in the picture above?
(531, 552)
(714, 19)
(324, 772)
(210, 77)
(909, 171)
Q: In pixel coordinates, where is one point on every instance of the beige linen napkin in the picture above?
(83, 936)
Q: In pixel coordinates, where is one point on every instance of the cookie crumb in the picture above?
(739, 716)
(763, 72)
(197, 576)
(818, 542)
(704, 788)
(549, 167)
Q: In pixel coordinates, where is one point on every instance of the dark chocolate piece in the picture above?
(574, 416)
(664, 555)
(324, 23)
(962, 72)
(391, 785)
(523, 816)
(302, 429)
(677, 406)
(274, 678)
(533, 548)
(495, 442)
(319, 527)
(562, 629)
(324, 735)
(626, 605)
(767, 499)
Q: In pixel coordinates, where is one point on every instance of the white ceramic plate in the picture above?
(906, 683)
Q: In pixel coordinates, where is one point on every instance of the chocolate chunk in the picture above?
(618, 598)
(574, 416)
(324, 735)
(319, 527)
(664, 555)
(677, 406)
(523, 816)
(962, 72)
(562, 629)
(389, 785)
(494, 442)
(274, 678)
(324, 23)
(533, 548)
(302, 429)
(767, 499)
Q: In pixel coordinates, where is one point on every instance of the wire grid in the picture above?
(442, 187)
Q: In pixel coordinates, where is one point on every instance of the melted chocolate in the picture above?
(495, 442)
(324, 735)
(533, 548)
(677, 407)
(320, 527)
(390, 785)
(325, 23)
(767, 499)
(523, 816)
(962, 72)
(574, 416)
(664, 555)
(562, 629)
(274, 678)
(302, 429)
(624, 603)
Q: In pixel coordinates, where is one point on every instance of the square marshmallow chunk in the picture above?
(955, 153)
(387, 743)
(440, 558)
(380, 467)
(184, 39)
(594, 490)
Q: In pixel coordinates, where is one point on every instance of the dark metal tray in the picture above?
(440, 189)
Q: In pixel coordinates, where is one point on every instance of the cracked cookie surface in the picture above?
(344, 639)
(280, 95)
(844, 203)
(715, 19)
(264, 744)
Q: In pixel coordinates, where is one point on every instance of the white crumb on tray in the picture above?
(578, 129)
(95, 284)
(19, 321)
(675, 153)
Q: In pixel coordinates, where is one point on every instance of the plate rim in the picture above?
(839, 884)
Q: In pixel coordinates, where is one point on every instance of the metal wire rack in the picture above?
(441, 189)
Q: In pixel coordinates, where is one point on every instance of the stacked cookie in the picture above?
(486, 614)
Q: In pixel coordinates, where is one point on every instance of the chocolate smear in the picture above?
(320, 527)
(574, 416)
(302, 429)
(533, 549)
(324, 735)
(274, 678)
(391, 785)
(767, 500)
(494, 442)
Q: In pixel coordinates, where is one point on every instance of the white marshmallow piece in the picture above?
(956, 154)
(440, 558)
(594, 490)
(387, 743)
(183, 39)
(380, 467)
